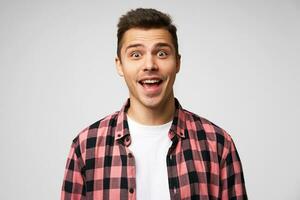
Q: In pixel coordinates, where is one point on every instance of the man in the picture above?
(152, 148)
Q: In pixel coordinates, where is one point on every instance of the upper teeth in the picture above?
(150, 81)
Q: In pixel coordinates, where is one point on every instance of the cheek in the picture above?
(132, 69)
(170, 68)
(130, 73)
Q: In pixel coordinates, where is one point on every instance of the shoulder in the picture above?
(203, 129)
(95, 133)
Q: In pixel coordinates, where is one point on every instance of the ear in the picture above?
(178, 63)
(119, 66)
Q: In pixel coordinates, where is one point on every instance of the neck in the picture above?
(152, 116)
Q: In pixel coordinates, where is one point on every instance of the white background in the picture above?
(240, 69)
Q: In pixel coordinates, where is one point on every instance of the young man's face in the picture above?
(149, 65)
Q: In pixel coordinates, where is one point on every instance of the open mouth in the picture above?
(150, 82)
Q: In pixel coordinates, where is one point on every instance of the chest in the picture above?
(191, 168)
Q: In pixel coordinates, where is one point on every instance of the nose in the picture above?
(150, 64)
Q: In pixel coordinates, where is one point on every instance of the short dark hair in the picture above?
(146, 18)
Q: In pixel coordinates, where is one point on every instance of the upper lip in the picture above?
(150, 78)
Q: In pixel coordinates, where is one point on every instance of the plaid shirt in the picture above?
(202, 161)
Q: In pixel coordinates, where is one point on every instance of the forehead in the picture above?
(146, 37)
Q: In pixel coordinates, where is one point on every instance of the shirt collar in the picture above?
(178, 126)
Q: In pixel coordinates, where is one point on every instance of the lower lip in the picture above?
(151, 89)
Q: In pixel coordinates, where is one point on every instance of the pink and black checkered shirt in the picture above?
(202, 161)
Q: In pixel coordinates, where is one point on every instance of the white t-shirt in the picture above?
(150, 145)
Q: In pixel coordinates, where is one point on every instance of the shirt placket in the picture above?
(131, 171)
(172, 171)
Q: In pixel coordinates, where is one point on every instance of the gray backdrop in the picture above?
(240, 69)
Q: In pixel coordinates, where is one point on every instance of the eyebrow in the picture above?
(133, 46)
(158, 45)
(162, 44)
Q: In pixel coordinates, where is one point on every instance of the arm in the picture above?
(73, 185)
(232, 177)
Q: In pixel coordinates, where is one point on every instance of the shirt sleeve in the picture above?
(73, 187)
(232, 177)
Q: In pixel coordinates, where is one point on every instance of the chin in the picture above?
(153, 102)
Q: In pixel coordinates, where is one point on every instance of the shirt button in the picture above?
(131, 190)
(130, 155)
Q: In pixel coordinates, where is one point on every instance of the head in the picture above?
(143, 18)
(148, 57)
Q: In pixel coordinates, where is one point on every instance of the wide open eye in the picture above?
(135, 54)
(162, 54)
